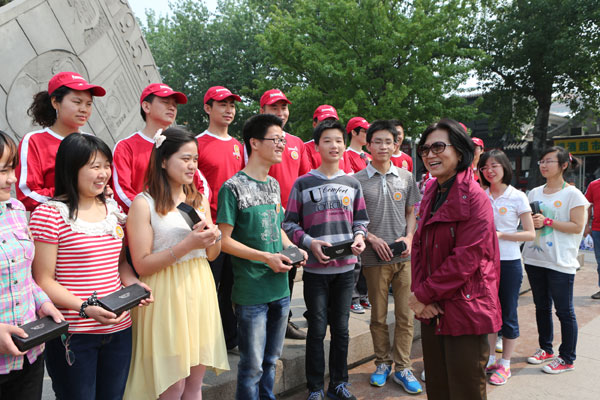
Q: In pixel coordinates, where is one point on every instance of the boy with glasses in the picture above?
(250, 217)
(390, 195)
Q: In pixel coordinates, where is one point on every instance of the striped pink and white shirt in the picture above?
(87, 257)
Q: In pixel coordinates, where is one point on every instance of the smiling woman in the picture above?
(455, 267)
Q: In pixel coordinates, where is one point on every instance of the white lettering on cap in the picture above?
(165, 87)
(327, 109)
(220, 90)
(276, 94)
(77, 77)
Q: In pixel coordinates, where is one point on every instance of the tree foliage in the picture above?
(375, 58)
(537, 52)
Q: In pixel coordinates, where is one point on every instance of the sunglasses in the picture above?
(436, 148)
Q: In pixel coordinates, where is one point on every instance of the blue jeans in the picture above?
(328, 299)
(548, 286)
(596, 239)
(261, 331)
(511, 277)
(99, 365)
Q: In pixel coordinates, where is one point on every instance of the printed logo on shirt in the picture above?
(404, 164)
(119, 232)
(557, 204)
(278, 208)
(397, 196)
(236, 151)
(502, 210)
(294, 155)
(346, 200)
(201, 209)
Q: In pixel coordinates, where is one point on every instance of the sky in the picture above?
(161, 7)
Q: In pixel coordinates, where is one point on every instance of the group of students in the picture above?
(225, 284)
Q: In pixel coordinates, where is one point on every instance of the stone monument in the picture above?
(100, 39)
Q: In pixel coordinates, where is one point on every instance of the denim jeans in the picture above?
(596, 239)
(261, 331)
(328, 299)
(99, 365)
(548, 286)
(511, 277)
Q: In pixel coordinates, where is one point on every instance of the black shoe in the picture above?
(596, 296)
(294, 332)
(340, 392)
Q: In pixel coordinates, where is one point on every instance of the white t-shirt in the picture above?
(507, 211)
(553, 249)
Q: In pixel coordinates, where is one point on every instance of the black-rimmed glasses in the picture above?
(436, 148)
(276, 140)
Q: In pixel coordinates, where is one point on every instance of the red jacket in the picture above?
(456, 261)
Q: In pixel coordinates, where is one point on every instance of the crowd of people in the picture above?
(447, 250)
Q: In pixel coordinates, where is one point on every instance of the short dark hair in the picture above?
(41, 110)
(324, 125)
(210, 102)
(149, 99)
(459, 139)
(382, 125)
(157, 180)
(502, 159)
(397, 122)
(7, 144)
(256, 127)
(74, 152)
(563, 157)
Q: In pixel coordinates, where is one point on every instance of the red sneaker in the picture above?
(557, 366)
(539, 357)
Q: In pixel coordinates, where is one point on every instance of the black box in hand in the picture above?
(294, 254)
(39, 331)
(535, 207)
(124, 299)
(396, 247)
(189, 214)
(339, 249)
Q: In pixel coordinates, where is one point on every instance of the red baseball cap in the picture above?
(325, 111)
(356, 122)
(478, 142)
(273, 96)
(162, 90)
(74, 81)
(219, 93)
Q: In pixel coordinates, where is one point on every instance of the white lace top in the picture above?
(169, 230)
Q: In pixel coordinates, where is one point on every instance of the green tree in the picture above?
(374, 58)
(537, 52)
(195, 50)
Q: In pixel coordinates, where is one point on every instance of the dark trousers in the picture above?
(24, 384)
(321, 291)
(89, 366)
(511, 277)
(291, 276)
(547, 287)
(454, 365)
(222, 271)
(359, 292)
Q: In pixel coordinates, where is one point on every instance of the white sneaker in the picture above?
(499, 344)
(423, 376)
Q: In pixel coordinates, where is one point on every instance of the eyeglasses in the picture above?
(276, 140)
(544, 162)
(69, 355)
(436, 148)
(492, 166)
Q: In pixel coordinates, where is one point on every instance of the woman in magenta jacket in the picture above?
(455, 267)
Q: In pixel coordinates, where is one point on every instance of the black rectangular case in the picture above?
(339, 249)
(40, 331)
(124, 299)
(396, 247)
(294, 254)
(189, 214)
(535, 208)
